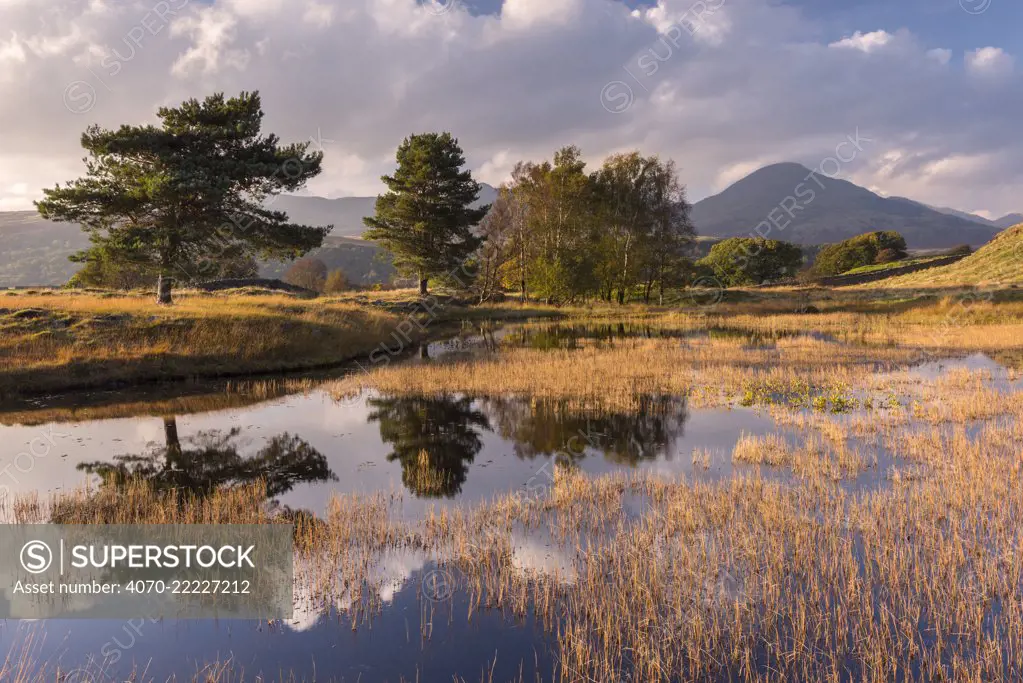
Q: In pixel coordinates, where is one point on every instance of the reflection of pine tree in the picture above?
(545, 428)
(434, 439)
(212, 460)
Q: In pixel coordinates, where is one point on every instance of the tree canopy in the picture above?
(559, 234)
(742, 261)
(181, 197)
(426, 217)
(862, 250)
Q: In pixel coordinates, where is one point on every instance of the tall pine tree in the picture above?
(166, 199)
(426, 217)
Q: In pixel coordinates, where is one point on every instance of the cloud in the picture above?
(744, 83)
(865, 42)
(990, 62)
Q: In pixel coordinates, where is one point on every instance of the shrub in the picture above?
(961, 250)
(742, 261)
(336, 282)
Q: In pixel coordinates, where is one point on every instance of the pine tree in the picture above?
(426, 217)
(179, 196)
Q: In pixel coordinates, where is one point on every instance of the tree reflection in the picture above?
(434, 438)
(547, 427)
(211, 460)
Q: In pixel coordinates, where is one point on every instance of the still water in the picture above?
(431, 452)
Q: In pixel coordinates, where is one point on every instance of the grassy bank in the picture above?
(999, 262)
(52, 340)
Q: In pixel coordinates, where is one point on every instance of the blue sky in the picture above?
(942, 23)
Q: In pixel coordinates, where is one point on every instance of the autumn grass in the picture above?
(748, 579)
(56, 340)
(709, 371)
(999, 262)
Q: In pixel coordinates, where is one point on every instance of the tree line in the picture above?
(192, 199)
(559, 234)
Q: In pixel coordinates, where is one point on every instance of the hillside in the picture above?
(33, 252)
(838, 210)
(345, 213)
(358, 259)
(1000, 262)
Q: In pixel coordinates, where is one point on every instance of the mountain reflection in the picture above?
(434, 438)
(211, 460)
(549, 427)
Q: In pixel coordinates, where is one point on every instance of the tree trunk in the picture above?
(163, 289)
(422, 286)
(170, 435)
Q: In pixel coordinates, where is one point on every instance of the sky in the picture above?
(915, 98)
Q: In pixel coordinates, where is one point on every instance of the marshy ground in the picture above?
(740, 493)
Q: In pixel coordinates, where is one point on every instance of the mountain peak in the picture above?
(782, 201)
(783, 166)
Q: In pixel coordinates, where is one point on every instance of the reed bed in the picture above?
(710, 372)
(748, 579)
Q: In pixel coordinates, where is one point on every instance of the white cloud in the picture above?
(990, 62)
(318, 14)
(212, 33)
(527, 13)
(865, 42)
(940, 55)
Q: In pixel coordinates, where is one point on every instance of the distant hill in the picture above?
(345, 213)
(33, 251)
(963, 214)
(839, 210)
(1000, 223)
(999, 262)
(364, 263)
(1009, 221)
